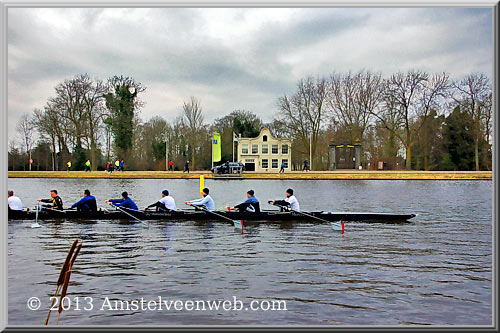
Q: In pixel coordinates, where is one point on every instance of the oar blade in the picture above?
(337, 226)
(238, 224)
(35, 225)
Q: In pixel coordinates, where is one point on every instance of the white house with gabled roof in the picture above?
(265, 153)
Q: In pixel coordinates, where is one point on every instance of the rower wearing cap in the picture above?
(124, 202)
(166, 203)
(290, 201)
(206, 201)
(251, 204)
(55, 200)
(86, 204)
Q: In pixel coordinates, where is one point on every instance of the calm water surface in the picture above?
(435, 270)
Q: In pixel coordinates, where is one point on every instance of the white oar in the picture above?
(132, 216)
(335, 225)
(237, 224)
(36, 225)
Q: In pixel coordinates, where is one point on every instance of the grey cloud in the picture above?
(169, 48)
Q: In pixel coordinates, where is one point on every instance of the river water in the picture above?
(435, 270)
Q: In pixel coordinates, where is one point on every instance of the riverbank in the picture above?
(339, 174)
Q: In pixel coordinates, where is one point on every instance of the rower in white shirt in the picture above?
(14, 202)
(205, 201)
(290, 201)
(166, 203)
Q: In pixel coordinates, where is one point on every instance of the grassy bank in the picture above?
(340, 174)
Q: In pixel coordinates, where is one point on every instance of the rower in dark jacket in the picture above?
(55, 200)
(86, 204)
(251, 204)
(124, 202)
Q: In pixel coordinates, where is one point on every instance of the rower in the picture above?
(205, 201)
(55, 200)
(124, 202)
(86, 204)
(290, 201)
(14, 203)
(166, 203)
(251, 204)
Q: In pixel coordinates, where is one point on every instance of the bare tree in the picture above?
(352, 100)
(193, 120)
(408, 98)
(303, 113)
(472, 94)
(26, 128)
(94, 111)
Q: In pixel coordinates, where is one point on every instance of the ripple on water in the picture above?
(435, 270)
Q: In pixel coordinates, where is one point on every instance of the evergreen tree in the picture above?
(122, 104)
(459, 139)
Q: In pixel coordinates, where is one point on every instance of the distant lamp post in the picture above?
(166, 152)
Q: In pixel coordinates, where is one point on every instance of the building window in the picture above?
(255, 149)
(265, 149)
(275, 163)
(285, 162)
(265, 164)
(275, 149)
(264, 138)
(284, 149)
(244, 148)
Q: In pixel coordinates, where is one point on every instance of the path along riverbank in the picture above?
(339, 174)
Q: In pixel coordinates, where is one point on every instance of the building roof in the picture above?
(266, 131)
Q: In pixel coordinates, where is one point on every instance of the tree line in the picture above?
(409, 120)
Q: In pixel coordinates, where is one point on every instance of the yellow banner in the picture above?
(216, 150)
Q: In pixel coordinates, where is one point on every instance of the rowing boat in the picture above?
(195, 215)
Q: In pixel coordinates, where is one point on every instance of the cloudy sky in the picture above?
(232, 58)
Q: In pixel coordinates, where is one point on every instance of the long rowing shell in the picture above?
(193, 215)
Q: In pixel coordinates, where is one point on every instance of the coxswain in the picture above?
(166, 203)
(14, 203)
(86, 204)
(55, 200)
(290, 202)
(206, 201)
(124, 202)
(251, 204)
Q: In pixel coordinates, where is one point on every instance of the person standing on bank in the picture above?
(87, 165)
(206, 201)
(186, 167)
(171, 165)
(166, 203)
(282, 170)
(68, 166)
(290, 202)
(122, 163)
(306, 165)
